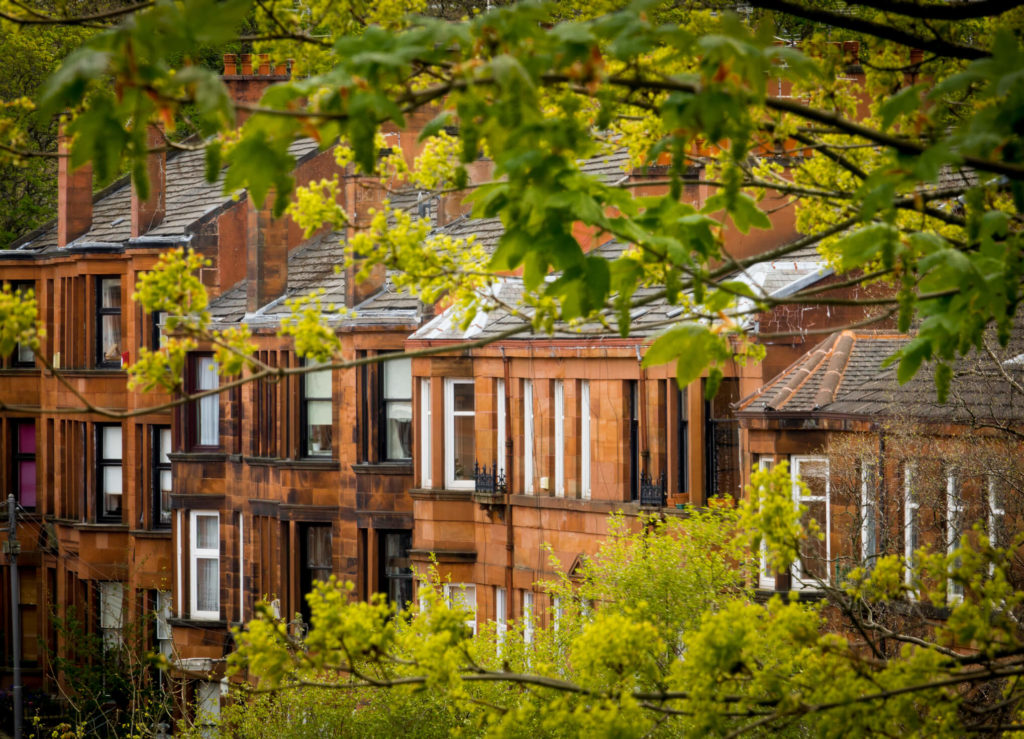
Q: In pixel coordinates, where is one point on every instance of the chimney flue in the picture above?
(147, 214)
(74, 195)
(266, 255)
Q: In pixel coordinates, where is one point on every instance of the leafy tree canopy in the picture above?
(659, 636)
(538, 87)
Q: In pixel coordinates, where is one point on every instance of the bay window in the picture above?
(204, 565)
(459, 427)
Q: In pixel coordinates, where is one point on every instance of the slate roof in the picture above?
(647, 320)
(828, 372)
(189, 198)
(843, 376)
(610, 167)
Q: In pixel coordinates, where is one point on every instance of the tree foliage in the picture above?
(660, 636)
(758, 102)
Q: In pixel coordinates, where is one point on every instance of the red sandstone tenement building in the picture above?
(199, 512)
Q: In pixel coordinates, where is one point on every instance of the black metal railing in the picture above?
(652, 492)
(488, 480)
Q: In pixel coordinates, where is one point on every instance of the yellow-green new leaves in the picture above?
(19, 323)
(308, 324)
(771, 516)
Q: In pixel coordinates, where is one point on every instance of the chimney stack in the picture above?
(245, 86)
(266, 255)
(147, 214)
(74, 195)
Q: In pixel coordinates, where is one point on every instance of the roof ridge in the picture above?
(837, 364)
(806, 368)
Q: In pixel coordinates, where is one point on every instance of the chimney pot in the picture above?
(246, 64)
(281, 70)
(229, 64)
(265, 64)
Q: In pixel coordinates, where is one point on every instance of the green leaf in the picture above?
(905, 101)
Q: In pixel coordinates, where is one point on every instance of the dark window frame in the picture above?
(159, 467)
(103, 462)
(193, 421)
(383, 401)
(19, 456)
(16, 359)
(156, 322)
(100, 313)
(682, 438)
(713, 430)
(305, 401)
(633, 400)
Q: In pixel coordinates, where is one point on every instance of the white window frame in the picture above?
(528, 437)
(556, 612)
(954, 514)
(195, 554)
(765, 577)
(585, 476)
(111, 613)
(911, 520)
(558, 391)
(796, 461)
(462, 595)
(164, 632)
(501, 623)
(868, 512)
(449, 433)
(208, 694)
(425, 433)
(995, 513)
(528, 616)
(500, 403)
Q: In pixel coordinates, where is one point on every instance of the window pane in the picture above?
(165, 496)
(110, 292)
(399, 420)
(463, 396)
(164, 446)
(27, 483)
(25, 355)
(111, 442)
(207, 585)
(112, 482)
(318, 384)
(207, 532)
(813, 556)
(111, 338)
(398, 379)
(207, 373)
(319, 429)
(815, 476)
(318, 545)
(463, 446)
(27, 438)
